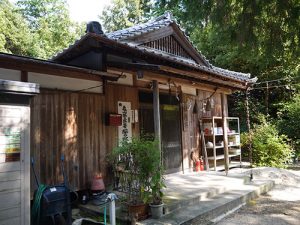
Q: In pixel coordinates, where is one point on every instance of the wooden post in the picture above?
(203, 146)
(225, 139)
(266, 97)
(156, 111)
(249, 130)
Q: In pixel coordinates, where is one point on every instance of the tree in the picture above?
(257, 37)
(15, 34)
(122, 14)
(268, 146)
(50, 23)
(288, 124)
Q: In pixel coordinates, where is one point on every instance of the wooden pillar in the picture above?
(225, 138)
(249, 130)
(266, 98)
(156, 112)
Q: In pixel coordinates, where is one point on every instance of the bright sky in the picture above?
(86, 10)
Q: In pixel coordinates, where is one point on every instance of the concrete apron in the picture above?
(199, 198)
(206, 197)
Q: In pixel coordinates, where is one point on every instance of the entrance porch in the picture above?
(202, 197)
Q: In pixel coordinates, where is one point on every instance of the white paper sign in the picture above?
(125, 131)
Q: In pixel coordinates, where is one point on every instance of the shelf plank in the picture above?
(222, 156)
(236, 145)
(215, 147)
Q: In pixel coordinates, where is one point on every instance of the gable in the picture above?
(162, 34)
(169, 45)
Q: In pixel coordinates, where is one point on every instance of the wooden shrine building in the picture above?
(151, 74)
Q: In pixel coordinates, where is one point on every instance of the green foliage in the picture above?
(268, 146)
(15, 35)
(141, 157)
(122, 14)
(288, 123)
(257, 37)
(50, 23)
(36, 28)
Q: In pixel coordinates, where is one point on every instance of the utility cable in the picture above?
(269, 81)
(276, 86)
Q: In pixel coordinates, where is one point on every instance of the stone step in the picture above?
(209, 210)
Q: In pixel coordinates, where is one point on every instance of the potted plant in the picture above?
(136, 164)
(151, 172)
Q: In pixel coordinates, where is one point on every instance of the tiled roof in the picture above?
(158, 23)
(123, 38)
(191, 63)
(153, 25)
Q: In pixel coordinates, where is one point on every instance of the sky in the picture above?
(86, 10)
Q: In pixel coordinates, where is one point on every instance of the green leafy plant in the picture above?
(140, 160)
(268, 146)
(290, 113)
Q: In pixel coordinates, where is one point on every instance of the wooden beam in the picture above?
(192, 76)
(225, 138)
(204, 76)
(156, 113)
(162, 78)
(47, 67)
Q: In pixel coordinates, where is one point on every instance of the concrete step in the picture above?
(209, 210)
(192, 190)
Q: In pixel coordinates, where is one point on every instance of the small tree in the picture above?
(140, 159)
(269, 148)
(288, 124)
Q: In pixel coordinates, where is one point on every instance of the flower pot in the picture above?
(139, 210)
(157, 211)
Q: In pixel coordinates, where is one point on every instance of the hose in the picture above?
(36, 207)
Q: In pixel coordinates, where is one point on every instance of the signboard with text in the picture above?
(125, 130)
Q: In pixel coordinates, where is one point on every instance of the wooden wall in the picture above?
(73, 124)
(190, 134)
(113, 94)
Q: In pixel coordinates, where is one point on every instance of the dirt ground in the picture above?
(279, 206)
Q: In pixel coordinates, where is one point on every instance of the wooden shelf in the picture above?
(210, 135)
(232, 135)
(222, 156)
(236, 145)
(215, 147)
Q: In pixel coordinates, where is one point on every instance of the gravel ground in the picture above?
(279, 206)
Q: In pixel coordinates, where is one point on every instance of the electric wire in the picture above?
(269, 81)
(274, 86)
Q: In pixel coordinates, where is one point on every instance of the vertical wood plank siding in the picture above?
(170, 45)
(190, 133)
(73, 124)
(115, 93)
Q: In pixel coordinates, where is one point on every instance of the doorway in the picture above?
(170, 128)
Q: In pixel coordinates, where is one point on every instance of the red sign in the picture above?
(114, 119)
